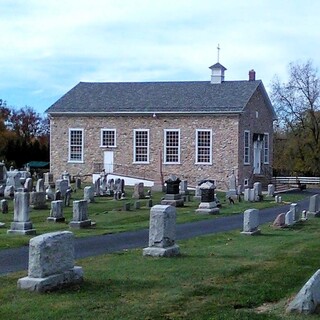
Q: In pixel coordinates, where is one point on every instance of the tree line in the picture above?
(24, 136)
(297, 131)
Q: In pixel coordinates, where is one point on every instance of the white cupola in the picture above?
(217, 75)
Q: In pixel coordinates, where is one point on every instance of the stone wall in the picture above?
(224, 154)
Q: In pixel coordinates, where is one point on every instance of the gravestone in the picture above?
(3, 173)
(66, 176)
(38, 200)
(67, 197)
(289, 218)
(77, 183)
(246, 196)
(56, 212)
(110, 187)
(197, 193)
(48, 179)
(8, 192)
(271, 190)
(62, 186)
(279, 221)
(173, 196)
(13, 179)
(257, 186)
(49, 194)
(308, 298)
(232, 192)
(314, 206)
(138, 192)
(4, 206)
(304, 215)
(162, 232)
(184, 187)
(137, 204)
(28, 185)
(208, 204)
(97, 191)
(40, 185)
(251, 222)
(295, 207)
(88, 194)
(51, 263)
(149, 203)
(80, 217)
(57, 195)
(21, 222)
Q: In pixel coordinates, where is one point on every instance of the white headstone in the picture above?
(251, 222)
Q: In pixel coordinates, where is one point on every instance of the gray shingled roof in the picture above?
(145, 97)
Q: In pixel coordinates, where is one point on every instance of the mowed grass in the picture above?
(222, 276)
(111, 218)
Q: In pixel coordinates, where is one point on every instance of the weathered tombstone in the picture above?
(314, 206)
(80, 215)
(49, 194)
(56, 212)
(28, 185)
(122, 184)
(127, 206)
(289, 218)
(48, 179)
(67, 197)
(51, 263)
(62, 185)
(271, 190)
(207, 204)
(13, 179)
(21, 222)
(162, 232)
(57, 195)
(137, 204)
(78, 183)
(88, 194)
(295, 207)
(110, 187)
(97, 191)
(8, 192)
(4, 206)
(232, 192)
(279, 221)
(184, 187)
(172, 196)
(246, 196)
(66, 176)
(40, 185)
(149, 203)
(138, 192)
(257, 186)
(251, 222)
(308, 298)
(38, 200)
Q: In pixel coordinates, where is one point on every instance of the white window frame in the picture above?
(101, 138)
(147, 147)
(205, 147)
(70, 159)
(246, 147)
(266, 148)
(165, 153)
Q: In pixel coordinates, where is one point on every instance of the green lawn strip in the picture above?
(111, 218)
(222, 276)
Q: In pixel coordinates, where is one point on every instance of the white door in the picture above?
(257, 147)
(108, 161)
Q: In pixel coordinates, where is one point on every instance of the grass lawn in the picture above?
(111, 218)
(222, 276)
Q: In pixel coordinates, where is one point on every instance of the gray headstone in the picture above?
(271, 190)
(295, 207)
(80, 217)
(4, 206)
(308, 298)
(40, 185)
(138, 192)
(289, 218)
(28, 185)
(62, 185)
(314, 205)
(56, 212)
(88, 194)
(251, 222)
(38, 200)
(51, 262)
(162, 232)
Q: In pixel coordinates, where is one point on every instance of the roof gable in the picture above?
(160, 97)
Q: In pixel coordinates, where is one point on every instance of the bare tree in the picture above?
(297, 104)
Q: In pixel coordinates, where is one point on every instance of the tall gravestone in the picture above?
(56, 212)
(138, 191)
(21, 221)
(232, 192)
(173, 196)
(38, 200)
(314, 206)
(80, 217)
(51, 263)
(62, 186)
(162, 232)
(88, 194)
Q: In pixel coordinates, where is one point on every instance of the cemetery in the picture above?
(253, 271)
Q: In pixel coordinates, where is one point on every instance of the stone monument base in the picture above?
(80, 224)
(208, 208)
(162, 252)
(52, 219)
(22, 228)
(174, 203)
(52, 282)
(251, 233)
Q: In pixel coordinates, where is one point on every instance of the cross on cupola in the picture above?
(217, 75)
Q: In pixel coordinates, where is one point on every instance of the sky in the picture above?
(48, 46)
